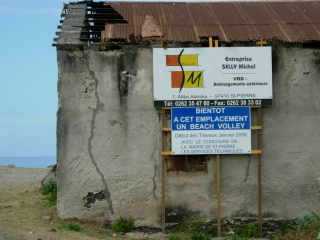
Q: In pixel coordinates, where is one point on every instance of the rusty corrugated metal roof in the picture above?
(294, 21)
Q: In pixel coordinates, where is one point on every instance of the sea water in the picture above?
(28, 162)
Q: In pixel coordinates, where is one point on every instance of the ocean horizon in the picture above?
(29, 162)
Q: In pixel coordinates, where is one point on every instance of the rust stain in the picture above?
(290, 21)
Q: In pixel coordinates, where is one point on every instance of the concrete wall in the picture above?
(109, 142)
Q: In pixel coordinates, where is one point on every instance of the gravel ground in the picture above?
(5, 236)
(11, 180)
(12, 177)
(26, 215)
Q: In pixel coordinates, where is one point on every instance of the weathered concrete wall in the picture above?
(292, 136)
(109, 142)
(108, 136)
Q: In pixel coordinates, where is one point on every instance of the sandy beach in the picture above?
(21, 177)
(24, 214)
(15, 185)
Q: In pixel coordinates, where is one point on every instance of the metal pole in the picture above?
(163, 195)
(215, 43)
(163, 173)
(259, 165)
(259, 197)
(218, 182)
(260, 43)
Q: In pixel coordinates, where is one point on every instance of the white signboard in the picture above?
(212, 130)
(225, 73)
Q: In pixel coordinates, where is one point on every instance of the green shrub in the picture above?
(247, 231)
(196, 225)
(306, 228)
(286, 227)
(236, 237)
(174, 237)
(200, 236)
(123, 225)
(71, 227)
(305, 222)
(49, 190)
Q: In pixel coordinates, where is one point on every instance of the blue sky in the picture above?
(28, 77)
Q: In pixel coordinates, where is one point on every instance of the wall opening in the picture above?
(195, 163)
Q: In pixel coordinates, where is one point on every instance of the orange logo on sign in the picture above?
(185, 79)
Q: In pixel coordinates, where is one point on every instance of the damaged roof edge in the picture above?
(137, 22)
(83, 22)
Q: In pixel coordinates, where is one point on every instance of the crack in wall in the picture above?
(154, 189)
(155, 169)
(154, 155)
(95, 111)
(247, 170)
